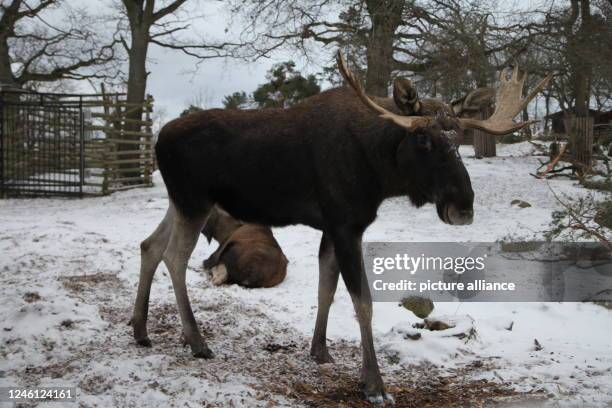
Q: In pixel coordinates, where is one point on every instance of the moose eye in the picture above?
(424, 142)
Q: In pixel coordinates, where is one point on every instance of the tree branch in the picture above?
(169, 9)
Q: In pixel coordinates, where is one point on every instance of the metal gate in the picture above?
(41, 144)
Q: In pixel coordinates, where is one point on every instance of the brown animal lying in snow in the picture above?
(248, 254)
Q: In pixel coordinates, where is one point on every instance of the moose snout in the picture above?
(457, 216)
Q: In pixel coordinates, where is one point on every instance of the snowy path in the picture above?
(69, 268)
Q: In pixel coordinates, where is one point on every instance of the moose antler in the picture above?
(409, 122)
(509, 103)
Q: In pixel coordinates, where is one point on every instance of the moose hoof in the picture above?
(205, 353)
(321, 357)
(144, 342)
(374, 391)
(380, 399)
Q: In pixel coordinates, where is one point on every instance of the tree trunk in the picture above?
(137, 77)
(568, 122)
(582, 142)
(546, 118)
(8, 19)
(136, 86)
(527, 129)
(582, 125)
(484, 143)
(6, 74)
(385, 16)
(581, 91)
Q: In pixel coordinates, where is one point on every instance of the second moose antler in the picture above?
(509, 103)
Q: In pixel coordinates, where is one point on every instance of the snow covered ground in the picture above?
(69, 268)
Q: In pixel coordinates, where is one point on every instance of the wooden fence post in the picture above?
(105, 150)
(148, 137)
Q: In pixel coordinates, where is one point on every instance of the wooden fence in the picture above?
(120, 154)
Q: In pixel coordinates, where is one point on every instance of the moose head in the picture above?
(431, 164)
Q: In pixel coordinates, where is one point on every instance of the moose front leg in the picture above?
(328, 281)
(347, 244)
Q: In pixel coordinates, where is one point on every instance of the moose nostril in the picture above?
(467, 213)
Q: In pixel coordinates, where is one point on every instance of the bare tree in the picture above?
(158, 23)
(369, 25)
(385, 18)
(439, 41)
(575, 40)
(32, 50)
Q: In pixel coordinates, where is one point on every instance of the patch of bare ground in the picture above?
(55, 370)
(80, 283)
(272, 358)
(424, 392)
(334, 385)
(99, 288)
(247, 342)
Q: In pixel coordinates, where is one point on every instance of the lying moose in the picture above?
(248, 254)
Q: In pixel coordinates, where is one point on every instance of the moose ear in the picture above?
(406, 97)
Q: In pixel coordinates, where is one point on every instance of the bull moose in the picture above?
(328, 163)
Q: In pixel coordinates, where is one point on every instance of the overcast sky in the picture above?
(175, 89)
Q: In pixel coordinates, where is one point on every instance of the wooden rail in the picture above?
(120, 153)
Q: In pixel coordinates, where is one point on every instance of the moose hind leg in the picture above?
(151, 252)
(183, 238)
(328, 281)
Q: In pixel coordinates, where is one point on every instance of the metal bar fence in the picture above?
(2, 190)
